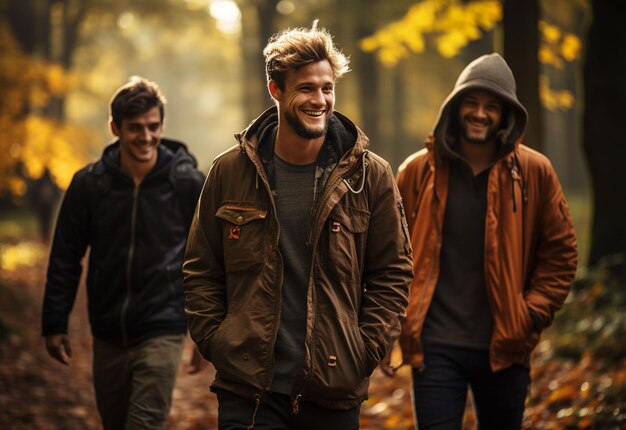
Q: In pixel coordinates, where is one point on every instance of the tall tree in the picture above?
(604, 141)
(258, 25)
(521, 44)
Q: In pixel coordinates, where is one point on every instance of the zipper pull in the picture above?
(296, 404)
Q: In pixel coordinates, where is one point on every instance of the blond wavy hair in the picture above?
(291, 49)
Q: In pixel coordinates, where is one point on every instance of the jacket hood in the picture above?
(170, 154)
(491, 73)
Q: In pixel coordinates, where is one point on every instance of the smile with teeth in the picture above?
(479, 123)
(314, 113)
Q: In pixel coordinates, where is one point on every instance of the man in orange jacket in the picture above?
(494, 254)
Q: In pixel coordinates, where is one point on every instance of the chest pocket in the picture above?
(243, 236)
(347, 237)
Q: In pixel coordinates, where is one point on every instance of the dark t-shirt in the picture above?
(294, 202)
(460, 313)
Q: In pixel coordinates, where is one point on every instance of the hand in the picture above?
(386, 367)
(59, 348)
(197, 362)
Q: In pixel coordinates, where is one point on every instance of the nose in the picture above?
(318, 97)
(481, 111)
(145, 134)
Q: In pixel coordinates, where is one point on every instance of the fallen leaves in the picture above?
(578, 372)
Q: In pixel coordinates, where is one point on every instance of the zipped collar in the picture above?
(343, 137)
(170, 153)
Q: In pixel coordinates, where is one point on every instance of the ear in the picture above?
(275, 92)
(114, 129)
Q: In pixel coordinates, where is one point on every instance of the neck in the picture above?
(296, 149)
(477, 155)
(135, 169)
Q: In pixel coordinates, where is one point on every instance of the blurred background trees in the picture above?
(61, 60)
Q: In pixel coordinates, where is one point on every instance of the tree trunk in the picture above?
(257, 27)
(604, 141)
(521, 45)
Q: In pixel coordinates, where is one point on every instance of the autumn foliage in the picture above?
(578, 371)
(31, 139)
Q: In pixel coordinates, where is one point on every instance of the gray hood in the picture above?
(489, 72)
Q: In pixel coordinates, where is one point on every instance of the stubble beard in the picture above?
(303, 131)
(489, 136)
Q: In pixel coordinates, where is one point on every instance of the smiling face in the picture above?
(140, 136)
(480, 115)
(306, 102)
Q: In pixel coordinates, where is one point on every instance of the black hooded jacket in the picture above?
(137, 237)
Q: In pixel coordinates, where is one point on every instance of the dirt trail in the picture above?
(38, 393)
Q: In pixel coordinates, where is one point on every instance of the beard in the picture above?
(302, 130)
(489, 136)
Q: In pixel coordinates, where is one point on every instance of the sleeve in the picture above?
(197, 182)
(204, 281)
(556, 255)
(71, 238)
(408, 186)
(387, 268)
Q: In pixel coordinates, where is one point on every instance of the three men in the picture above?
(494, 254)
(298, 260)
(132, 208)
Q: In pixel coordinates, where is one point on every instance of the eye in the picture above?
(469, 103)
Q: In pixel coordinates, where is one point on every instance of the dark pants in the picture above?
(275, 413)
(134, 385)
(440, 390)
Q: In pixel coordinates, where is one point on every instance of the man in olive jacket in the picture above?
(495, 254)
(298, 260)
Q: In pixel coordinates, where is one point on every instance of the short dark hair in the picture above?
(136, 97)
(291, 49)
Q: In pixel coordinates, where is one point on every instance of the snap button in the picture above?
(240, 218)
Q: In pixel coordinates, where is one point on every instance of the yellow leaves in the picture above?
(29, 141)
(554, 100)
(61, 148)
(570, 47)
(563, 394)
(551, 34)
(452, 24)
(557, 47)
(22, 254)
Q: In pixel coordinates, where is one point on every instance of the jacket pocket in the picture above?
(346, 241)
(519, 337)
(342, 363)
(243, 236)
(239, 347)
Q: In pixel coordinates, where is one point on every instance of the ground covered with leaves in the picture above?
(579, 368)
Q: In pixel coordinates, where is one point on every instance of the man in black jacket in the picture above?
(132, 208)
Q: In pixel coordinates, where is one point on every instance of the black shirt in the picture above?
(460, 314)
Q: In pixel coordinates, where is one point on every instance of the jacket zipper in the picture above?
(325, 195)
(129, 263)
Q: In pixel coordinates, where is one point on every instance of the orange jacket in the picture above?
(530, 247)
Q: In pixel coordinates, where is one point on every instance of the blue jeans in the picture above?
(440, 390)
(275, 413)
